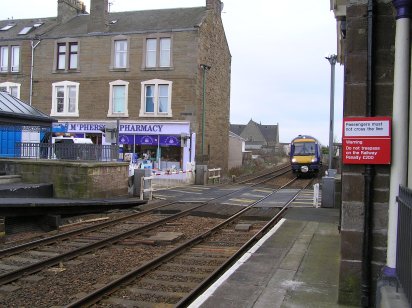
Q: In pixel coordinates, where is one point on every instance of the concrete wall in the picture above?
(73, 180)
(235, 152)
(353, 180)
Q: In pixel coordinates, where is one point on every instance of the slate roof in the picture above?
(126, 22)
(13, 110)
(269, 132)
(19, 24)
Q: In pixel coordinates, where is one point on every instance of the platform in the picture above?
(295, 265)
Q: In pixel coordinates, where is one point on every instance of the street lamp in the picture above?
(332, 60)
(205, 68)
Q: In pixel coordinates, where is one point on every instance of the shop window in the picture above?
(118, 102)
(9, 59)
(120, 53)
(67, 56)
(65, 100)
(158, 53)
(11, 88)
(156, 98)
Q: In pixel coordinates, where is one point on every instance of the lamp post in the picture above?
(332, 60)
(205, 68)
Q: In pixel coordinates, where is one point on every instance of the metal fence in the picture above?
(404, 243)
(64, 151)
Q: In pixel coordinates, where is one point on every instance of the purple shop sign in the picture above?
(170, 141)
(126, 139)
(146, 139)
(150, 140)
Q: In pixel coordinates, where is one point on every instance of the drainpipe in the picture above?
(205, 68)
(33, 46)
(399, 126)
(369, 171)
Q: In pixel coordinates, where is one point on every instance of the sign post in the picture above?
(367, 140)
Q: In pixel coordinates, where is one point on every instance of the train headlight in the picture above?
(293, 160)
(314, 160)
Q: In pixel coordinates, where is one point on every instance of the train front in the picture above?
(305, 156)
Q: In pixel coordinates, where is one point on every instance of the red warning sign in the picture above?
(367, 140)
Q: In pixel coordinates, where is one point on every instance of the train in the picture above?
(305, 155)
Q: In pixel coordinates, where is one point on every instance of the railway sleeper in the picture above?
(132, 303)
(158, 295)
(172, 283)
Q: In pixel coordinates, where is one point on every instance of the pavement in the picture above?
(294, 265)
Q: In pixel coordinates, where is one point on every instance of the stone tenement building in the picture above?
(141, 70)
(376, 68)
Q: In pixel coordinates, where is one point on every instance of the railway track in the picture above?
(137, 247)
(177, 277)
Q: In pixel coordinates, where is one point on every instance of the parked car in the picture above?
(74, 148)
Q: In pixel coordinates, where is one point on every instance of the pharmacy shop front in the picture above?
(158, 145)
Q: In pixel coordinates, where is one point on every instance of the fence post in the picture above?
(146, 191)
(316, 195)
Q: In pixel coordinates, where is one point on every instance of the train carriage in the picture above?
(305, 155)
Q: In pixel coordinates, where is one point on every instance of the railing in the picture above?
(404, 243)
(214, 175)
(89, 152)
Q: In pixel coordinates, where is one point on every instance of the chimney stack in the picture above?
(99, 16)
(215, 5)
(67, 9)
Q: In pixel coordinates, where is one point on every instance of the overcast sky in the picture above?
(279, 71)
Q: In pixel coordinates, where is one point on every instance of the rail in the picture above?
(404, 243)
(88, 152)
(214, 175)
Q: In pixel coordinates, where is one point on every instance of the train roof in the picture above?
(305, 138)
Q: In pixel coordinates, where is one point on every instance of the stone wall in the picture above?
(353, 178)
(214, 51)
(73, 180)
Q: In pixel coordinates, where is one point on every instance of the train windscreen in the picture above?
(305, 148)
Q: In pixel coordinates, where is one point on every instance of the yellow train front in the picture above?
(305, 155)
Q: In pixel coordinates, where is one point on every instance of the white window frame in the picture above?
(4, 59)
(110, 112)
(165, 51)
(66, 84)
(10, 59)
(120, 56)
(156, 113)
(158, 53)
(15, 59)
(9, 85)
(114, 53)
